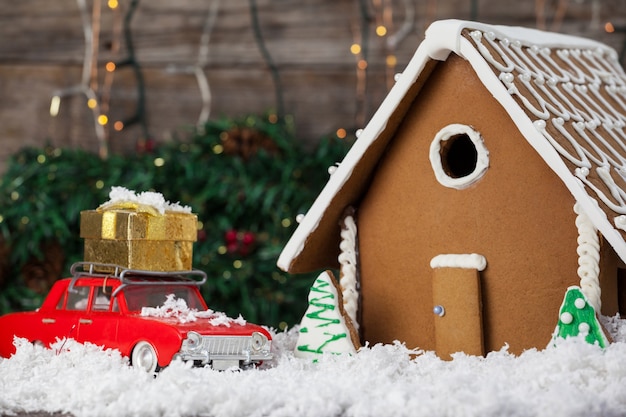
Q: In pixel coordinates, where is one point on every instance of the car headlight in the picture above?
(193, 341)
(258, 341)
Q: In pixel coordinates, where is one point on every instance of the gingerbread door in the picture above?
(457, 308)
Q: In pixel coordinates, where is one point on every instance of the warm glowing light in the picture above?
(25, 220)
(55, 103)
(218, 149)
(381, 30)
(159, 162)
(118, 125)
(222, 250)
(99, 184)
(237, 264)
(341, 133)
(609, 28)
(362, 64)
(92, 103)
(41, 158)
(112, 4)
(15, 195)
(103, 119)
(273, 118)
(391, 60)
(110, 66)
(285, 222)
(355, 49)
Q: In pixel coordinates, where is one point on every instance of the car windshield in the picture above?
(139, 296)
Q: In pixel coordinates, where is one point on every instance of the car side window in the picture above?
(78, 298)
(102, 299)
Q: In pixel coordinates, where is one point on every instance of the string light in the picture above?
(110, 66)
(92, 103)
(341, 133)
(55, 104)
(381, 30)
(362, 64)
(159, 162)
(355, 48)
(113, 4)
(609, 28)
(118, 126)
(103, 119)
(391, 60)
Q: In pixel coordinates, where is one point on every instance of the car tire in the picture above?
(144, 357)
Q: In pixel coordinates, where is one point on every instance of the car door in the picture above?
(98, 323)
(63, 322)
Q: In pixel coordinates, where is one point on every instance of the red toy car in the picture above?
(150, 317)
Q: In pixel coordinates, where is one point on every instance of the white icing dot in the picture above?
(507, 77)
(439, 310)
(505, 42)
(611, 89)
(567, 318)
(490, 35)
(545, 51)
(299, 218)
(476, 35)
(580, 303)
(332, 169)
(397, 76)
(517, 44)
(552, 81)
(582, 172)
(525, 77)
(568, 86)
(540, 80)
(358, 132)
(584, 328)
(534, 49)
(540, 124)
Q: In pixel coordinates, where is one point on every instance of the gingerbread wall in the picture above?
(519, 216)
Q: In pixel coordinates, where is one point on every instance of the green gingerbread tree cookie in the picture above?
(578, 317)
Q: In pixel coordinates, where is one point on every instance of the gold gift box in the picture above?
(139, 240)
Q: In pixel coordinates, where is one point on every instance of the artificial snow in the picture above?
(120, 195)
(570, 379)
(177, 308)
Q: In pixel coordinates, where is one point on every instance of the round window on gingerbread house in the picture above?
(458, 156)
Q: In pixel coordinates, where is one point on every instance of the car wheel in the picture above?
(144, 357)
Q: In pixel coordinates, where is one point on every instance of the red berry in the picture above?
(248, 238)
(230, 236)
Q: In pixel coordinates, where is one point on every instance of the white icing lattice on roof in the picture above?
(565, 94)
(576, 98)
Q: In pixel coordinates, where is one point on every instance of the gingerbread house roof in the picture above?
(565, 94)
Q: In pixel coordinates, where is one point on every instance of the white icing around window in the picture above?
(458, 156)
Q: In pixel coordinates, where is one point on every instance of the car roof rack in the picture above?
(129, 276)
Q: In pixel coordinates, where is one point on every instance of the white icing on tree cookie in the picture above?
(323, 329)
(348, 262)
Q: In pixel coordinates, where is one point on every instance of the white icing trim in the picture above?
(482, 156)
(588, 258)
(444, 37)
(465, 261)
(348, 263)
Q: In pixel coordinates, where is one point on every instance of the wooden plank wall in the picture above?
(42, 50)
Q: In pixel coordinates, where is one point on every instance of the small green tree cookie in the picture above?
(578, 317)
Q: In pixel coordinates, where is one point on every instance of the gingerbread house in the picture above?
(491, 179)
